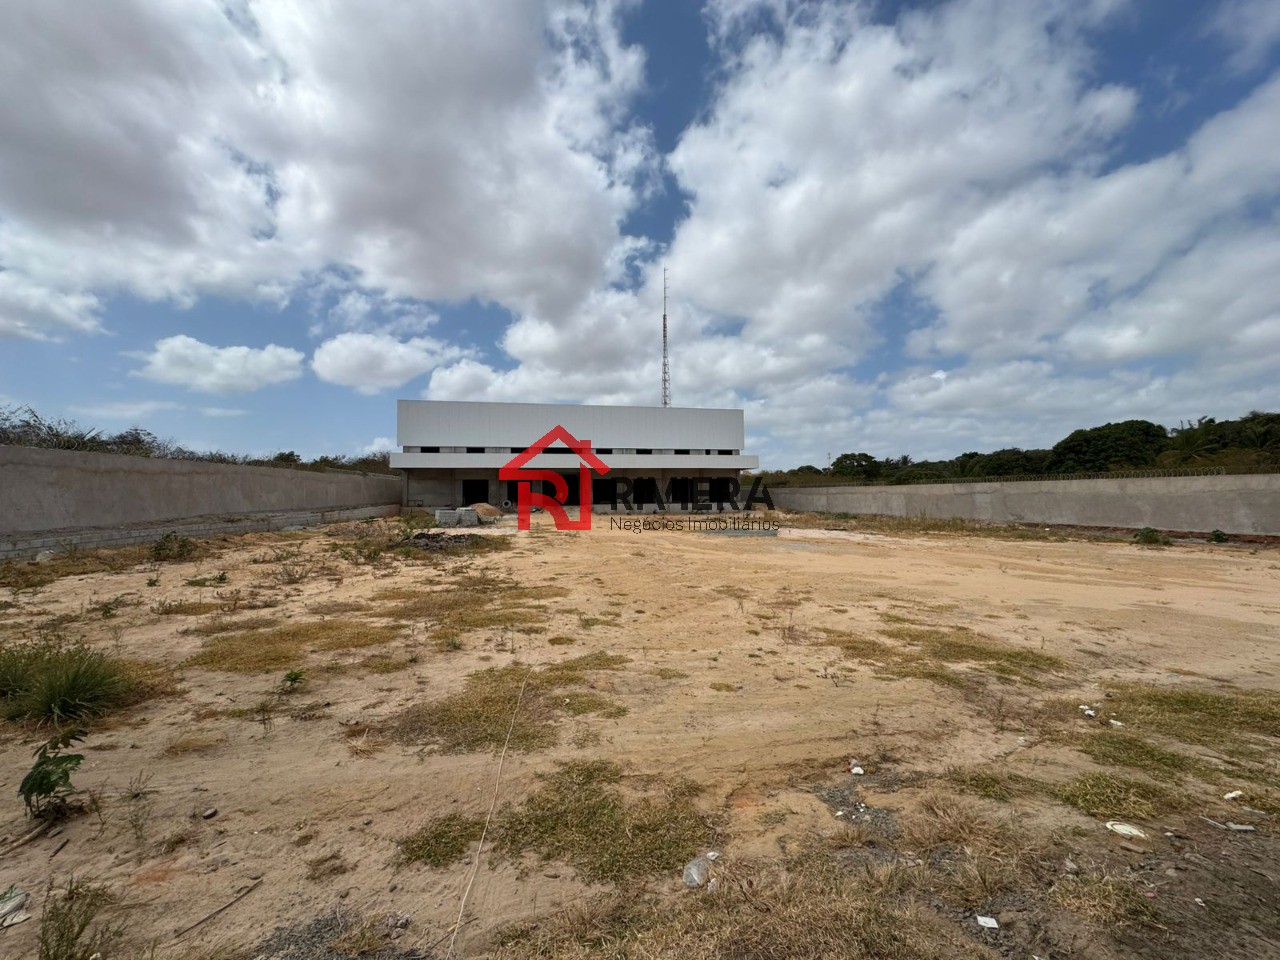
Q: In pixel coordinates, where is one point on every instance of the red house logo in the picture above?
(527, 499)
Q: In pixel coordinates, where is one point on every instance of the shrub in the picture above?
(1151, 537)
(1218, 537)
(64, 926)
(46, 789)
(54, 681)
(172, 547)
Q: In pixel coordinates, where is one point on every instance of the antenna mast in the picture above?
(666, 364)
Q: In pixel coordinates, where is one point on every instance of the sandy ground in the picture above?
(748, 612)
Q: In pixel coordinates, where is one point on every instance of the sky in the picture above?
(892, 227)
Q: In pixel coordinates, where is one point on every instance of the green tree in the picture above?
(856, 465)
(1128, 445)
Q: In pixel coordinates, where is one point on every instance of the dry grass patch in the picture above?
(382, 663)
(20, 575)
(1115, 749)
(668, 673)
(927, 653)
(327, 866)
(480, 604)
(282, 647)
(1106, 795)
(1194, 715)
(217, 625)
(857, 647)
(177, 839)
(978, 856)
(478, 716)
(193, 741)
(1106, 902)
(994, 784)
(185, 608)
(580, 702)
(581, 816)
(763, 911)
(962, 645)
(331, 608)
(440, 842)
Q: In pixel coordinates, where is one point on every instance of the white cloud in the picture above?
(223, 412)
(35, 312)
(1250, 29)
(187, 362)
(372, 362)
(964, 149)
(961, 152)
(379, 445)
(134, 410)
(435, 150)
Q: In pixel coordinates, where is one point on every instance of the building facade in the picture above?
(452, 451)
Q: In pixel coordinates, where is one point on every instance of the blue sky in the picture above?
(894, 227)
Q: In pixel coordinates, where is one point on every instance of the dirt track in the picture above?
(736, 680)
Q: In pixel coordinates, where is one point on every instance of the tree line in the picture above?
(24, 427)
(1250, 443)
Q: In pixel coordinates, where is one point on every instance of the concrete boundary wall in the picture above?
(21, 548)
(1240, 504)
(67, 493)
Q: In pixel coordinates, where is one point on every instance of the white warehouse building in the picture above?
(452, 451)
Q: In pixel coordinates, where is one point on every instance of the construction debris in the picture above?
(462, 517)
(434, 541)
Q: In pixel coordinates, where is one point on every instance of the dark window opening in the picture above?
(602, 490)
(429, 449)
(646, 492)
(475, 491)
(682, 453)
(722, 491)
(644, 452)
(725, 453)
(605, 450)
(475, 449)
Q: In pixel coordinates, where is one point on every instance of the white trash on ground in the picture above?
(697, 870)
(1125, 829)
(12, 902)
(988, 922)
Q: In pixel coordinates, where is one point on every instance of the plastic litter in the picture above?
(988, 922)
(854, 768)
(697, 870)
(1240, 827)
(1125, 829)
(1087, 710)
(12, 902)
(1234, 794)
(1115, 723)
